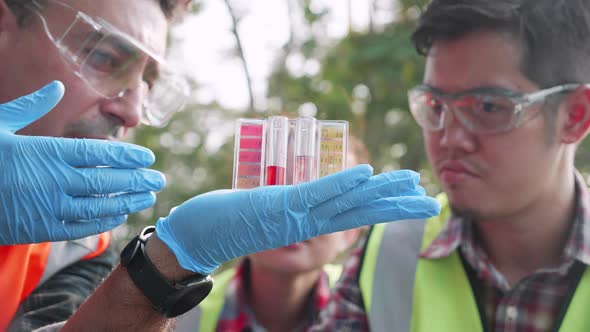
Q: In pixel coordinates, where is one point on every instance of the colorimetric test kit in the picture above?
(249, 149)
(279, 150)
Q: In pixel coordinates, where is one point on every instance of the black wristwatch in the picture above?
(169, 298)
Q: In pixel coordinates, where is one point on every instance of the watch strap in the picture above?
(155, 286)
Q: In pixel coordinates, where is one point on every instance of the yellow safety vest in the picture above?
(402, 292)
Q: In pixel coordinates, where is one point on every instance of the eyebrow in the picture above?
(486, 89)
(121, 46)
(152, 67)
(83, 38)
(97, 37)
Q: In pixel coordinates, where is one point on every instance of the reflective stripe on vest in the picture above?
(435, 294)
(389, 295)
(204, 317)
(24, 267)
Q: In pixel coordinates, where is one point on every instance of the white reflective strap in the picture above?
(65, 253)
(55, 327)
(393, 279)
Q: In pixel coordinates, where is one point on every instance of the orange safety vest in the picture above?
(23, 267)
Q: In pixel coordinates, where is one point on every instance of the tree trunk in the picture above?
(235, 23)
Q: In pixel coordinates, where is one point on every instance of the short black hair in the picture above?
(172, 9)
(554, 35)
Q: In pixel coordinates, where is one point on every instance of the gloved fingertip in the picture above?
(363, 170)
(55, 86)
(369, 169)
(116, 221)
(139, 155)
(22, 111)
(143, 201)
(415, 176)
(154, 180)
(51, 93)
(149, 157)
(431, 205)
(421, 190)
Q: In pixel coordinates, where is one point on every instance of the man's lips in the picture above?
(294, 246)
(297, 245)
(454, 172)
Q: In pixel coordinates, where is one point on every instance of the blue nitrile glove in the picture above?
(213, 228)
(51, 189)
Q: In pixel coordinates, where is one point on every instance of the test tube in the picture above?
(332, 147)
(304, 169)
(276, 150)
(290, 152)
(248, 152)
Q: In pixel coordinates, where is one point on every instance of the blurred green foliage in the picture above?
(364, 78)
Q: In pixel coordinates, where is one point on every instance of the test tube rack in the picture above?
(278, 150)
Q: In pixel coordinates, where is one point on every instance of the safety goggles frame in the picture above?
(170, 87)
(521, 103)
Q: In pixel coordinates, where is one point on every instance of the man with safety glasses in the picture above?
(108, 54)
(504, 103)
(51, 188)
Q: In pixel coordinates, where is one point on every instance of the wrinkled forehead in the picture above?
(142, 20)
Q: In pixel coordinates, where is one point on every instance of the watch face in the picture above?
(188, 295)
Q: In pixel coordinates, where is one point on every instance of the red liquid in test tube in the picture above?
(276, 150)
(275, 176)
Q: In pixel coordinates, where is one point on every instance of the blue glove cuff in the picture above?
(186, 262)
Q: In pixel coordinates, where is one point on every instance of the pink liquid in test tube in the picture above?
(304, 169)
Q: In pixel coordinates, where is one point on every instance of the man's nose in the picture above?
(455, 134)
(128, 106)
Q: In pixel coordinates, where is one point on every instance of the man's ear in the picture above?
(575, 125)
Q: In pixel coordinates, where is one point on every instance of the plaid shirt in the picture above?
(532, 305)
(237, 316)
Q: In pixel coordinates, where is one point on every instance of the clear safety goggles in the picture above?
(487, 111)
(112, 63)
